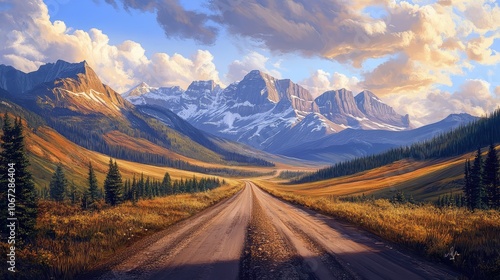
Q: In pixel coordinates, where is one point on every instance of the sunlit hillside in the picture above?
(424, 180)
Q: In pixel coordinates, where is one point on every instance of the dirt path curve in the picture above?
(364, 256)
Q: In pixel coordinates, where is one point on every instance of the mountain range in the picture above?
(241, 124)
(281, 117)
(263, 111)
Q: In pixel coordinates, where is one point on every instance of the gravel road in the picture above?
(254, 235)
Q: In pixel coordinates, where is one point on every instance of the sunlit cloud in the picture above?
(321, 81)
(433, 40)
(473, 97)
(252, 61)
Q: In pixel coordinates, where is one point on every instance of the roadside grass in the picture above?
(70, 240)
(426, 229)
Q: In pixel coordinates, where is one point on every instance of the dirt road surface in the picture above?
(254, 235)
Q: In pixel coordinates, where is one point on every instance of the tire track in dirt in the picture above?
(351, 251)
(267, 255)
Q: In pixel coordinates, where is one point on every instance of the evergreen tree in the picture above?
(477, 188)
(127, 191)
(134, 191)
(140, 187)
(5, 159)
(73, 194)
(93, 188)
(410, 199)
(490, 179)
(468, 185)
(84, 202)
(147, 188)
(58, 184)
(166, 184)
(13, 157)
(113, 185)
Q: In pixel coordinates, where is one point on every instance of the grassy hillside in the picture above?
(425, 180)
(46, 148)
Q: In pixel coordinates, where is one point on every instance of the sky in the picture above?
(425, 58)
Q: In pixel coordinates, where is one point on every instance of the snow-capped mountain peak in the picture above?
(377, 110)
(72, 86)
(140, 89)
(205, 87)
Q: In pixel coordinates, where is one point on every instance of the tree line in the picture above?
(466, 138)
(482, 181)
(451, 200)
(116, 190)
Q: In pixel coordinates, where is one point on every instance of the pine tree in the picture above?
(166, 184)
(134, 195)
(113, 185)
(73, 194)
(468, 185)
(93, 188)
(491, 178)
(127, 190)
(5, 159)
(13, 157)
(477, 188)
(140, 187)
(58, 185)
(147, 188)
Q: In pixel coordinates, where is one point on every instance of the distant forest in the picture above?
(466, 138)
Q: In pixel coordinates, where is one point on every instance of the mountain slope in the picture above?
(72, 99)
(351, 143)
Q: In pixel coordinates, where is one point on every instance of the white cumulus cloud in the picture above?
(473, 97)
(320, 81)
(252, 61)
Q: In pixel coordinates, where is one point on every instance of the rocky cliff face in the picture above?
(73, 86)
(339, 107)
(378, 111)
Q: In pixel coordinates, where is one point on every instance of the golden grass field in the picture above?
(424, 180)
(71, 240)
(425, 229)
